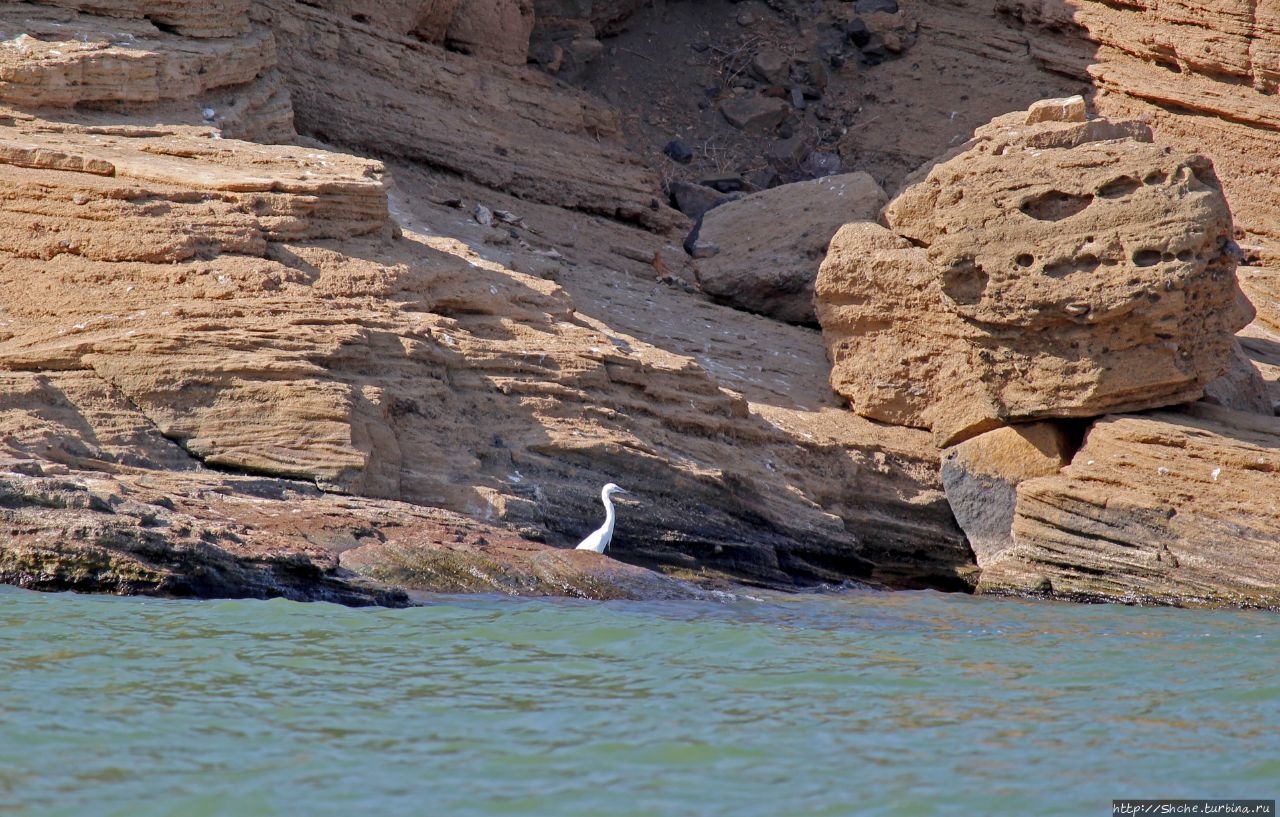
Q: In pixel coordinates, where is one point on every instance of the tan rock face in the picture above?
(212, 19)
(62, 58)
(771, 243)
(1173, 507)
(227, 197)
(1203, 74)
(390, 368)
(1047, 270)
(508, 129)
(1242, 387)
(493, 29)
(173, 300)
(116, 74)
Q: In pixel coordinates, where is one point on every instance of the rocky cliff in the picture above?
(1051, 273)
(181, 307)
(1204, 75)
(332, 299)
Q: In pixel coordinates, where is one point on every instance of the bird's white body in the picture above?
(599, 539)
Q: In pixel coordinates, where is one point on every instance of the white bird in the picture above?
(599, 540)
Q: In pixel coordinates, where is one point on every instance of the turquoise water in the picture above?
(860, 703)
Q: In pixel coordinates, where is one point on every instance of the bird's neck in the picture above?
(608, 511)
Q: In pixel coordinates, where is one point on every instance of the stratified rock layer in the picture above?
(981, 476)
(508, 129)
(1179, 508)
(60, 58)
(139, 65)
(208, 19)
(1050, 269)
(1203, 74)
(173, 300)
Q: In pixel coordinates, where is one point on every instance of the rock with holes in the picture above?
(1061, 267)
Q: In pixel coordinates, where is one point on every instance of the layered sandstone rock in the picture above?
(1050, 269)
(173, 300)
(770, 244)
(140, 63)
(509, 129)
(1260, 340)
(1204, 74)
(215, 18)
(1178, 508)
(63, 58)
(415, 369)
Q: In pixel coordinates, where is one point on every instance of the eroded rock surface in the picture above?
(1203, 74)
(509, 129)
(1170, 507)
(174, 300)
(1051, 269)
(177, 63)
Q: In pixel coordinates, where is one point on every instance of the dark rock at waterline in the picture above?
(92, 533)
(514, 569)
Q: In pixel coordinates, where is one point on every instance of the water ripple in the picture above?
(865, 703)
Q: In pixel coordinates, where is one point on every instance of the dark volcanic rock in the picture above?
(857, 32)
(678, 151)
(695, 199)
(872, 6)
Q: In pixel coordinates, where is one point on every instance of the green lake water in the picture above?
(860, 703)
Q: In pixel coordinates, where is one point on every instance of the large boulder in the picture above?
(1170, 507)
(772, 242)
(1054, 266)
